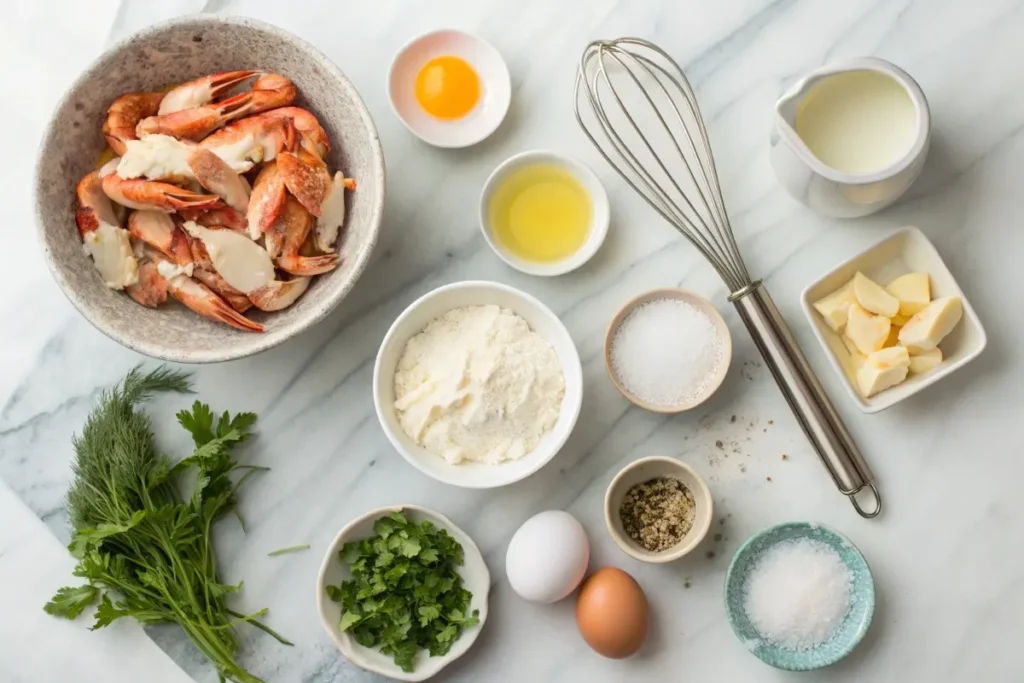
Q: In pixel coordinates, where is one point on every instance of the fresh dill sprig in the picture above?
(144, 549)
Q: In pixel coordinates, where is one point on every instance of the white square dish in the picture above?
(905, 251)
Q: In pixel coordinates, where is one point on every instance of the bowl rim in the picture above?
(599, 221)
(263, 341)
(506, 85)
(734, 568)
(688, 542)
(705, 306)
(468, 546)
(396, 442)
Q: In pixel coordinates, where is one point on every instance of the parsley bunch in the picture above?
(137, 538)
(405, 593)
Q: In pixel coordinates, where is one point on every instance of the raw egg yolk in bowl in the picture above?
(447, 87)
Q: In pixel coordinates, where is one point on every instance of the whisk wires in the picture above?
(635, 104)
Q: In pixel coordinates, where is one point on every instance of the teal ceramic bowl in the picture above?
(849, 633)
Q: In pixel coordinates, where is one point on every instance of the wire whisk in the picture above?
(639, 110)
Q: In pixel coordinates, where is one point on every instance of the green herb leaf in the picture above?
(289, 549)
(69, 601)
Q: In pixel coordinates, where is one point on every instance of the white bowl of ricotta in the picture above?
(468, 393)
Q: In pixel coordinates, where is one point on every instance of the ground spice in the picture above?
(657, 513)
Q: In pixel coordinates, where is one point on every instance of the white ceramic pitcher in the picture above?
(831, 192)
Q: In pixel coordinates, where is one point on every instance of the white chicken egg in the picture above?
(450, 88)
(547, 557)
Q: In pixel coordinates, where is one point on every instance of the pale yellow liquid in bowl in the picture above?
(858, 122)
(541, 213)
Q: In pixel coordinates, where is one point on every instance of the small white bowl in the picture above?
(412, 321)
(475, 578)
(495, 88)
(695, 300)
(643, 470)
(596, 232)
(905, 251)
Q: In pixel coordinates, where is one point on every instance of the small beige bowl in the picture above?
(694, 300)
(643, 470)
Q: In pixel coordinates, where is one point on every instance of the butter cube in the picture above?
(913, 292)
(868, 332)
(882, 370)
(872, 297)
(928, 327)
(925, 361)
(835, 307)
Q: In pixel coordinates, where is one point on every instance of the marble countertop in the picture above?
(946, 555)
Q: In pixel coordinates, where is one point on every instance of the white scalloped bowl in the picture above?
(475, 578)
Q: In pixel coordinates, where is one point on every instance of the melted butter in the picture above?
(111, 251)
(242, 263)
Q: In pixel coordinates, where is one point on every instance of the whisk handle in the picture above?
(805, 395)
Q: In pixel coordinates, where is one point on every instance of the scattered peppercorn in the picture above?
(657, 513)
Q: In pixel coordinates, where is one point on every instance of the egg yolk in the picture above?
(447, 88)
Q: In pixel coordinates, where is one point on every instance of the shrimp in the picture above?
(279, 294)
(196, 123)
(206, 303)
(293, 225)
(202, 90)
(265, 204)
(124, 115)
(157, 196)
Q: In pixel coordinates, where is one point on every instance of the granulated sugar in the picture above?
(798, 593)
(665, 352)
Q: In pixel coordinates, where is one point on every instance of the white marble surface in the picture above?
(947, 553)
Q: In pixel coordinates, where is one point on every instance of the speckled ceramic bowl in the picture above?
(849, 633)
(174, 52)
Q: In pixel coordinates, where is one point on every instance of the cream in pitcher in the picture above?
(850, 139)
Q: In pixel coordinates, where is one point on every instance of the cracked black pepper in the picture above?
(657, 513)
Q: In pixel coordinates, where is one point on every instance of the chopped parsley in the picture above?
(405, 594)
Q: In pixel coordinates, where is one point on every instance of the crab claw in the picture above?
(160, 231)
(222, 216)
(203, 301)
(312, 134)
(293, 225)
(93, 206)
(237, 300)
(151, 289)
(123, 117)
(196, 123)
(156, 196)
(268, 193)
(306, 177)
(271, 91)
(214, 174)
(278, 294)
(202, 91)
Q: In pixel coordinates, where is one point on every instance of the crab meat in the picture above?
(202, 91)
(102, 237)
(242, 263)
(279, 294)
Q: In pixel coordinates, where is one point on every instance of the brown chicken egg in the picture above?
(611, 613)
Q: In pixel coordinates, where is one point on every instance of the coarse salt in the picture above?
(798, 593)
(666, 352)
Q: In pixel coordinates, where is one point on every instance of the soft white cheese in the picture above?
(170, 270)
(156, 157)
(185, 98)
(242, 263)
(332, 214)
(478, 384)
(111, 251)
